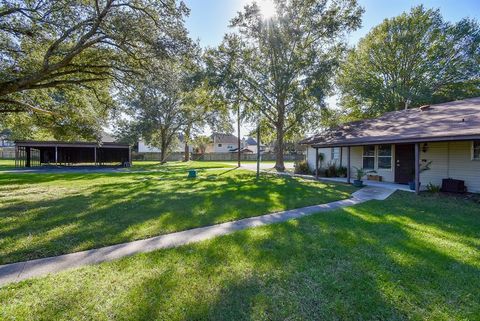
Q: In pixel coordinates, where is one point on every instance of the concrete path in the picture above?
(23, 270)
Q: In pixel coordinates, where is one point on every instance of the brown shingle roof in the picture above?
(448, 121)
(225, 138)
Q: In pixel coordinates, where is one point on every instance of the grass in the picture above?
(155, 165)
(253, 162)
(376, 261)
(7, 164)
(49, 214)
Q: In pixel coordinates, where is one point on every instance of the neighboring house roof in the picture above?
(251, 141)
(454, 120)
(225, 138)
(243, 150)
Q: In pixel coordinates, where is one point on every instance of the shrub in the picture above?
(342, 171)
(433, 188)
(301, 167)
(331, 170)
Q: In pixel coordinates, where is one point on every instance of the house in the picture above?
(250, 143)
(222, 143)
(243, 150)
(179, 146)
(397, 145)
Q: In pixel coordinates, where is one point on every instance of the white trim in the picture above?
(391, 158)
(374, 156)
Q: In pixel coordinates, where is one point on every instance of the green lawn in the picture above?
(155, 165)
(407, 258)
(49, 214)
(7, 164)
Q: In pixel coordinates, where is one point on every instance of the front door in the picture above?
(404, 163)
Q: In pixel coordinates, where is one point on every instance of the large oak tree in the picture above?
(53, 54)
(414, 59)
(282, 67)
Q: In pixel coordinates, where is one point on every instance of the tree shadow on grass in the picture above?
(333, 266)
(140, 206)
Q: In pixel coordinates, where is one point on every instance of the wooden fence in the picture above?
(7, 152)
(245, 157)
(178, 156)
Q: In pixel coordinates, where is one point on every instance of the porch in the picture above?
(398, 164)
(388, 185)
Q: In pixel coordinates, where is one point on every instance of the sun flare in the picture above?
(267, 8)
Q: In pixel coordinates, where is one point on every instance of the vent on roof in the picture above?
(424, 107)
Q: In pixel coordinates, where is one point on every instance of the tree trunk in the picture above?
(279, 164)
(163, 147)
(187, 152)
(187, 149)
(239, 152)
(163, 153)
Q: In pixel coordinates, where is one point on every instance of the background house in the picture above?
(178, 147)
(250, 143)
(446, 136)
(222, 143)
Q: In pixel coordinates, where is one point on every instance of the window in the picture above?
(219, 145)
(335, 153)
(369, 157)
(229, 147)
(384, 156)
(476, 149)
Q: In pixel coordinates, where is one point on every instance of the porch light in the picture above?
(425, 147)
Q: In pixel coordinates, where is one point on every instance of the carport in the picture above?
(38, 153)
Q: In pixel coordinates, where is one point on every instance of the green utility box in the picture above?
(192, 173)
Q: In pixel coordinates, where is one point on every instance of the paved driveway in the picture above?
(264, 166)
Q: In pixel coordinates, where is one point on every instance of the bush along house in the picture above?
(436, 145)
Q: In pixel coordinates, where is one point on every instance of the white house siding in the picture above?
(356, 160)
(451, 160)
(311, 157)
(223, 148)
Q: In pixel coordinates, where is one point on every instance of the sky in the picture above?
(209, 19)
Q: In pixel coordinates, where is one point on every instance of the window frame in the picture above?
(332, 153)
(219, 145)
(475, 148)
(381, 156)
(368, 156)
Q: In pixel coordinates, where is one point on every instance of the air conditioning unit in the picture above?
(453, 185)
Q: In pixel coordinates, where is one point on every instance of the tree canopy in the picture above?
(282, 68)
(60, 60)
(413, 59)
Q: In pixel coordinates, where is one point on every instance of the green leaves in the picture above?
(414, 59)
(80, 50)
(282, 68)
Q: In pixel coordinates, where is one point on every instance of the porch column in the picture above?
(16, 156)
(417, 168)
(56, 156)
(95, 155)
(130, 155)
(341, 156)
(316, 163)
(349, 174)
(27, 152)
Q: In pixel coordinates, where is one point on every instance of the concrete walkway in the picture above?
(23, 270)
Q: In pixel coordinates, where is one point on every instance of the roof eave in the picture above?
(397, 141)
